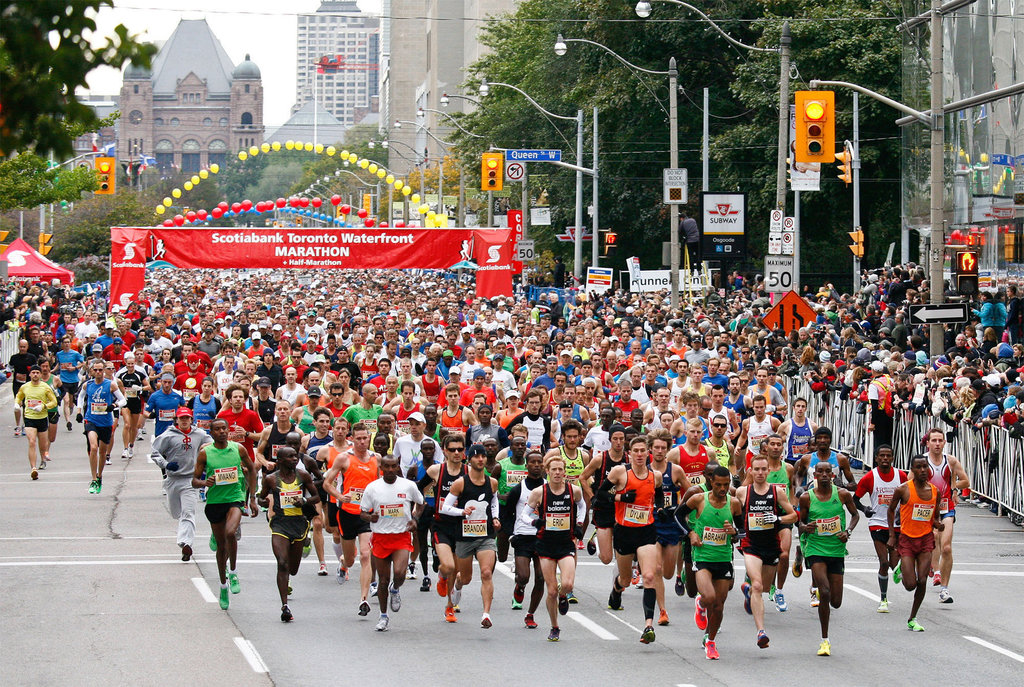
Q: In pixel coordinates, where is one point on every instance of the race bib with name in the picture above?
(827, 527)
(131, 392)
(759, 522)
(514, 477)
(944, 506)
(885, 497)
(225, 476)
(35, 404)
(922, 512)
(557, 523)
(356, 494)
(715, 536)
(166, 415)
(392, 510)
(637, 515)
(290, 498)
(98, 408)
(475, 525)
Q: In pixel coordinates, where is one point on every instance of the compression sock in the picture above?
(338, 552)
(883, 584)
(650, 598)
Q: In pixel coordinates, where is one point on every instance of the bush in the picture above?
(89, 268)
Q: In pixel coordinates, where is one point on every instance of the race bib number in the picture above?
(290, 497)
(759, 522)
(203, 424)
(885, 497)
(637, 515)
(827, 527)
(403, 427)
(190, 394)
(392, 510)
(556, 523)
(273, 451)
(944, 506)
(98, 408)
(166, 415)
(696, 480)
(922, 512)
(429, 492)
(667, 499)
(514, 477)
(475, 525)
(715, 536)
(67, 366)
(35, 404)
(356, 494)
(371, 425)
(223, 476)
(131, 392)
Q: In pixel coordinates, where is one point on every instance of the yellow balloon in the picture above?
(242, 155)
(431, 215)
(168, 202)
(298, 145)
(318, 148)
(353, 158)
(265, 147)
(373, 168)
(289, 145)
(214, 168)
(195, 179)
(390, 178)
(406, 190)
(176, 193)
(160, 209)
(275, 146)
(381, 173)
(415, 198)
(254, 151)
(203, 174)
(344, 154)
(331, 150)
(187, 185)
(308, 147)
(364, 163)
(423, 209)
(399, 184)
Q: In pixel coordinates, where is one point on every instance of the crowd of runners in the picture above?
(394, 419)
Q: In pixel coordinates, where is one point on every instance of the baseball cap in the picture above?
(97, 347)
(447, 353)
(256, 336)
(993, 379)
(118, 340)
(878, 366)
(455, 370)
(264, 381)
(193, 358)
(278, 327)
(479, 374)
(476, 450)
(511, 393)
(418, 417)
(183, 411)
(315, 392)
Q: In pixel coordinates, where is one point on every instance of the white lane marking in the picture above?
(591, 625)
(251, 655)
(204, 590)
(635, 629)
(979, 573)
(687, 684)
(863, 592)
(996, 648)
(500, 567)
(35, 483)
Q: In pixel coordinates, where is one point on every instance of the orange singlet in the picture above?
(917, 513)
(640, 513)
(357, 477)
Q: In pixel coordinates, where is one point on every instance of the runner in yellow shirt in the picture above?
(38, 400)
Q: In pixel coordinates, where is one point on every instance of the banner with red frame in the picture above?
(308, 248)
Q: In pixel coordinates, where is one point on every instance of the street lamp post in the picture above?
(440, 167)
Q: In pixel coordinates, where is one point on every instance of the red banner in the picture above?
(315, 248)
(515, 223)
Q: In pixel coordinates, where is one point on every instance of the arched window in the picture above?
(174, 121)
(207, 122)
(190, 146)
(247, 119)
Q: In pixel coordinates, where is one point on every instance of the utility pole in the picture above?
(673, 214)
(780, 183)
(935, 250)
(855, 165)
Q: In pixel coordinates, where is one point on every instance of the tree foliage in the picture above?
(84, 229)
(45, 56)
(26, 181)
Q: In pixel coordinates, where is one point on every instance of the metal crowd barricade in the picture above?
(9, 344)
(849, 428)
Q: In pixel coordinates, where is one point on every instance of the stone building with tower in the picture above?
(194, 107)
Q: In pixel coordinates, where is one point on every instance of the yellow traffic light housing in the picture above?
(815, 126)
(492, 171)
(106, 175)
(966, 272)
(611, 241)
(44, 243)
(845, 161)
(857, 248)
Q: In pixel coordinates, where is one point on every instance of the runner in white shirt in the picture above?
(407, 447)
(392, 505)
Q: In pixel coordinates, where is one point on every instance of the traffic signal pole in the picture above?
(855, 164)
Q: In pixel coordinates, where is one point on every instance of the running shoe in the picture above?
(647, 636)
(224, 598)
(34, 474)
(825, 648)
(306, 548)
(286, 614)
(592, 546)
(341, 575)
(897, 572)
(92, 487)
(553, 635)
(798, 562)
(186, 552)
(69, 425)
(710, 651)
(517, 605)
(762, 639)
(124, 454)
(364, 609)
(43, 462)
(945, 597)
(322, 570)
(442, 586)
(107, 460)
(704, 640)
(663, 617)
(814, 597)
(563, 605)
(780, 602)
(936, 579)
(637, 581)
(518, 593)
(394, 600)
(17, 431)
(680, 585)
(883, 606)
(233, 583)
(449, 615)
(456, 595)
(99, 484)
(745, 588)
(213, 542)
(373, 589)
(131, 451)
(914, 626)
(425, 585)
(382, 624)
(579, 544)
(485, 621)
(700, 614)
(412, 572)
(571, 596)
(615, 599)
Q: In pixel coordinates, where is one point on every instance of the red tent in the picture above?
(25, 262)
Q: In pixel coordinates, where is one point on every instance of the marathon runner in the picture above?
(175, 453)
(880, 484)
(949, 478)
(516, 519)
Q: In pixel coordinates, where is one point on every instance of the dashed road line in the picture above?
(251, 655)
(204, 590)
(995, 647)
(631, 627)
(591, 625)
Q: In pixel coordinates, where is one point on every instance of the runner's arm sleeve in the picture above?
(119, 400)
(681, 514)
(424, 483)
(495, 505)
(449, 507)
(528, 515)
(581, 512)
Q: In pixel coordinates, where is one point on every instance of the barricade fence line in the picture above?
(9, 344)
(993, 460)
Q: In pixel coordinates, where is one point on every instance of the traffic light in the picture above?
(815, 126)
(106, 175)
(3, 240)
(857, 247)
(845, 161)
(611, 240)
(44, 243)
(966, 272)
(492, 171)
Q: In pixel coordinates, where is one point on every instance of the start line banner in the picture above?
(314, 248)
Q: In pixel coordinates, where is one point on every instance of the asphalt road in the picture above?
(93, 591)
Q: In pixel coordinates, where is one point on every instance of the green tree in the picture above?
(85, 229)
(45, 57)
(26, 181)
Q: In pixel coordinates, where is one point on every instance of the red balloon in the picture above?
(262, 207)
(293, 201)
(190, 216)
(281, 202)
(168, 222)
(236, 207)
(223, 205)
(217, 212)
(201, 214)
(317, 202)
(346, 209)
(178, 220)
(335, 200)
(383, 225)
(398, 223)
(246, 205)
(368, 222)
(304, 202)
(362, 213)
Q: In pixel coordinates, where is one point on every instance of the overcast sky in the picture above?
(263, 28)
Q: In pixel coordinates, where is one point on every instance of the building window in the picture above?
(246, 88)
(135, 88)
(159, 121)
(164, 161)
(191, 145)
(223, 121)
(190, 163)
(174, 121)
(164, 146)
(207, 121)
(247, 119)
(217, 158)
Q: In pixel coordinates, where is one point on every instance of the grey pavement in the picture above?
(94, 592)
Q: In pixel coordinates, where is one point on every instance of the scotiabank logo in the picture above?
(129, 251)
(493, 254)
